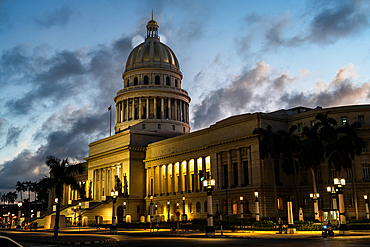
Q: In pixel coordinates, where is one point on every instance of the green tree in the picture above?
(270, 145)
(290, 151)
(11, 196)
(61, 173)
(20, 187)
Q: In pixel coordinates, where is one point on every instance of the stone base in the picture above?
(210, 234)
(343, 232)
(291, 231)
(210, 231)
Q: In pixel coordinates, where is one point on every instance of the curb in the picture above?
(61, 242)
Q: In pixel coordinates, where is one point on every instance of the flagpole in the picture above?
(110, 122)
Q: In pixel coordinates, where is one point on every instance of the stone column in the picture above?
(111, 178)
(140, 107)
(181, 111)
(133, 108)
(147, 108)
(175, 117)
(166, 181)
(121, 178)
(187, 181)
(180, 177)
(147, 182)
(240, 167)
(169, 108)
(162, 108)
(105, 181)
(117, 110)
(155, 107)
(173, 178)
(249, 153)
(159, 180)
(100, 183)
(128, 108)
(195, 182)
(220, 176)
(229, 168)
(154, 180)
(95, 184)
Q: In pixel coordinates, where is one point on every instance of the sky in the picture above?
(61, 64)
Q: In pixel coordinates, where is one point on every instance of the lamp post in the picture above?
(366, 206)
(241, 208)
(19, 215)
(113, 228)
(184, 216)
(209, 184)
(75, 216)
(339, 186)
(257, 206)
(328, 189)
(32, 213)
(151, 210)
(79, 214)
(124, 211)
(156, 210)
(168, 211)
(315, 197)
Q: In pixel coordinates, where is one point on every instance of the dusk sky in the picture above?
(61, 64)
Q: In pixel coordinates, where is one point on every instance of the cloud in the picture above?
(324, 23)
(59, 17)
(13, 136)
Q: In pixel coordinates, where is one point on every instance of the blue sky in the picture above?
(61, 65)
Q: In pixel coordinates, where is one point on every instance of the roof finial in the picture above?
(152, 14)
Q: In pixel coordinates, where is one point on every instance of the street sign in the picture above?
(178, 214)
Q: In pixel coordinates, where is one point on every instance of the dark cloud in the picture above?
(13, 136)
(59, 17)
(324, 23)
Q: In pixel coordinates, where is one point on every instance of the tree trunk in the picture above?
(275, 189)
(314, 181)
(354, 189)
(57, 214)
(296, 187)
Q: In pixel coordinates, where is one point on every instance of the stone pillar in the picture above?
(173, 178)
(159, 180)
(140, 107)
(121, 178)
(195, 182)
(117, 110)
(100, 183)
(155, 107)
(166, 181)
(180, 177)
(187, 181)
(229, 168)
(175, 117)
(128, 109)
(240, 168)
(181, 111)
(154, 180)
(111, 178)
(95, 185)
(147, 182)
(147, 107)
(133, 108)
(219, 166)
(249, 153)
(162, 108)
(105, 181)
(169, 108)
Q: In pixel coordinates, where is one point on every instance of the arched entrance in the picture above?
(120, 214)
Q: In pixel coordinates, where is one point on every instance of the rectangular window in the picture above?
(366, 170)
(226, 176)
(333, 174)
(349, 174)
(364, 148)
(246, 175)
(138, 209)
(344, 120)
(235, 166)
(304, 176)
(299, 127)
(318, 176)
(361, 119)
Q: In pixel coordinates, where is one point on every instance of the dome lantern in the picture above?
(152, 29)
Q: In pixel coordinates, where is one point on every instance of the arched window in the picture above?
(127, 83)
(173, 127)
(143, 127)
(190, 208)
(205, 206)
(235, 207)
(135, 81)
(146, 80)
(159, 126)
(197, 207)
(176, 83)
(224, 207)
(168, 81)
(157, 80)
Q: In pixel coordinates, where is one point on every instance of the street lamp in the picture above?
(151, 210)
(19, 215)
(339, 186)
(168, 211)
(209, 184)
(184, 216)
(75, 216)
(113, 228)
(328, 189)
(315, 197)
(257, 206)
(241, 208)
(79, 214)
(366, 206)
(124, 211)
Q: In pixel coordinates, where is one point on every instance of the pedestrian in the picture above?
(280, 222)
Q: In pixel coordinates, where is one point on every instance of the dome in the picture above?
(152, 53)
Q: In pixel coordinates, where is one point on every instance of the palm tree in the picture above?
(11, 196)
(28, 185)
(290, 150)
(61, 173)
(20, 187)
(326, 126)
(270, 145)
(3, 198)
